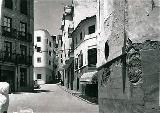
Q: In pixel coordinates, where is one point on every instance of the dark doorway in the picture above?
(8, 76)
(77, 83)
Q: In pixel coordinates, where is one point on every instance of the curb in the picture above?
(76, 95)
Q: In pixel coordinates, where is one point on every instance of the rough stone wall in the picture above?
(131, 86)
(143, 20)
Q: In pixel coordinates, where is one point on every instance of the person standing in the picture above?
(4, 97)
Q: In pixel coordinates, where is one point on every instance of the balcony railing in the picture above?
(14, 34)
(6, 56)
(15, 58)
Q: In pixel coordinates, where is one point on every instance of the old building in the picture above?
(43, 56)
(85, 56)
(16, 43)
(66, 53)
(128, 53)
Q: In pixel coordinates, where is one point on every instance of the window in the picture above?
(7, 23)
(39, 76)
(92, 57)
(49, 62)
(23, 50)
(76, 63)
(80, 57)
(81, 36)
(23, 6)
(38, 39)
(23, 29)
(61, 60)
(39, 60)
(9, 4)
(23, 77)
(91, 29)
(50, 44)
(38, 49)
(49, 53)
(8, 49)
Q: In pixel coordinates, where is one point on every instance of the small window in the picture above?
(50, 44)
(39, 59)
(39, 76)
(49, 62)
(61, 60)
(38, 49)
(91, 29)
(81, 36)
(9, 4)
(49, 53)
(38, 39)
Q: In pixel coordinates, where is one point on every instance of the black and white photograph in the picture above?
(79, 56)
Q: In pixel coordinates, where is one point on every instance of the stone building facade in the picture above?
(66, 53)
(85, 55)
(16, 43)
(128, 53)
(43, 56)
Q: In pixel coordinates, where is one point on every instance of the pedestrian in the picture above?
(4, 97)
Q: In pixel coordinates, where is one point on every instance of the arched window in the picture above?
(9, 4)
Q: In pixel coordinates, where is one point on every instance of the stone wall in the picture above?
(130, 83)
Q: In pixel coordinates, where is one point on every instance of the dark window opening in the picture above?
(39, 60)
(23, 6)
(38, 39)
(9, 4)
(49, 62)
(38, 49)
(106, 50)
(39, 76)
(23, 50)
(81, 36)
(76, 63)
(49, 53)
(91, 29)
(92, 57)
(80, 57)
(50, 44)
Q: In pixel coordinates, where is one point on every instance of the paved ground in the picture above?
(50, 99)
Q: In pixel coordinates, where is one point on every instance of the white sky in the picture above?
(48, 14)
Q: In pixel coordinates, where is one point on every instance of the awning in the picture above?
(88, 77)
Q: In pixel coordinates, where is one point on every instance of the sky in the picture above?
(48, 14)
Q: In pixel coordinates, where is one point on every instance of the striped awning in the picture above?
(88, 77)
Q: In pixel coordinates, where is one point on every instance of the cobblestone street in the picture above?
(50, 99)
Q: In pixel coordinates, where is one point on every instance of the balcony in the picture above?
(6, 56)
(24, 59)
(14, 34)
(9, 32)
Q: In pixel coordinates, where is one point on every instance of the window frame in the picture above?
(39, 59)
(91, 30)
(7, 24)
(39, 76)
(38, 38)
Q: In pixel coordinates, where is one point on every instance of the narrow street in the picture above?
(50, 99)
